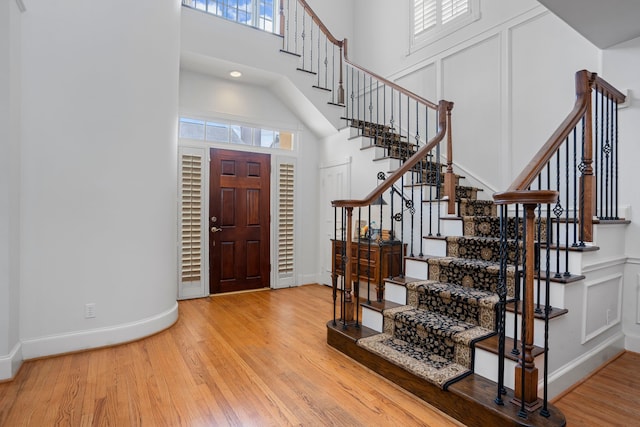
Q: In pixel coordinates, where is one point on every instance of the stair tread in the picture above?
(475, 296)
(402, 281)
(417, 360)
(380, 306)
(553, 312)
(438, 324)
(491, 345)
(560, 277)
(471, 262)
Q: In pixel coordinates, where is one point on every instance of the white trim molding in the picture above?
(608, 321)
(101, 337)
(574, 371)
(10, 364)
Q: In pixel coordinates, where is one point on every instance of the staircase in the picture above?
(485, 286)
(425, 333)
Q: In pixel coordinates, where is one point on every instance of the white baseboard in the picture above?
(579, 368)
(632, 343)
(10, 364)
(102, 337)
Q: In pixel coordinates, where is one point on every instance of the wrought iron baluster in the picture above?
(575, 185)
(615, 146)
(558, 210)
(568, 205)
(501, 306)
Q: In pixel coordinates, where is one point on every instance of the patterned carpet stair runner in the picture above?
(433, 335)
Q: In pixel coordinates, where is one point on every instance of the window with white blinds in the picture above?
(285, 219)
(424, 15)
(191, 213)
(451, 9)
(434, 15)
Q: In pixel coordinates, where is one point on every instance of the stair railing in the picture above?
(551, 207)
(399, 125)
(354, 259)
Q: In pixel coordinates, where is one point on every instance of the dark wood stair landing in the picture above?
(470, 400)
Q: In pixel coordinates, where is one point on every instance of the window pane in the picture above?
(193, 129)
(285, 140)
(241, 135)
(451, 9)
(217, 132)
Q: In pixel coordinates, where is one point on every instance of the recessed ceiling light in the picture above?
(235, 74)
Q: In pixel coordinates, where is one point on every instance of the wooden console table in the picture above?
(377, 261)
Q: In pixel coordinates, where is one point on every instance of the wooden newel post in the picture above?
(526, 373)
(348, 313)
(584, 84)
(449, 177)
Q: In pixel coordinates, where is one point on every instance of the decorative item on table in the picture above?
(386, 235)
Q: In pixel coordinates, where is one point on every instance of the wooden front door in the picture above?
(239, 220)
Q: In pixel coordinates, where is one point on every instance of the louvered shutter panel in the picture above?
(424, 15)
(452, 9)
(285, 220)
(191, 223)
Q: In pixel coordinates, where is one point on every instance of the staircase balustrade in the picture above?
(552, 204)
(399, 124)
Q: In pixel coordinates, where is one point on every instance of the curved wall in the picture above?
(98, 171)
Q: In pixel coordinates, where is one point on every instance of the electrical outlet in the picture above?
(89, 311)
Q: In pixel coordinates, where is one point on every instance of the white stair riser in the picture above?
(372, 319)
(486, 365)
(556, 293)
(416, 269)
(435, 247)
(395, 293)
(538, 328)
(451, 227)
(574, 265)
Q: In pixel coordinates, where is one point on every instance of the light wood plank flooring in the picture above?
(610, 397)
(252, 359)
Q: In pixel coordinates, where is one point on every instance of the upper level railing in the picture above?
(570, 181)
(399, 125)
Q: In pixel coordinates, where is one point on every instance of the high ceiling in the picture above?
(603, 22)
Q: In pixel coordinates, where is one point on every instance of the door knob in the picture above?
(215, 229)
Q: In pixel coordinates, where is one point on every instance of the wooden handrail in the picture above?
(343, 44)
(387, 82)
(320, 24)
(443, 108)
(605, 87)
(539, 161)
(526, 374)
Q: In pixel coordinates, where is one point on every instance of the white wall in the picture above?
(208, 96)
(10, 355)
(99, 114)
(337, 15)
(501, 71)
(621, 67)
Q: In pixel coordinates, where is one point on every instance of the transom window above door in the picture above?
(210, 131)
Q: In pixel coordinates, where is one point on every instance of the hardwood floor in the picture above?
(246, 359)
(610, 397)
(257, 358)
